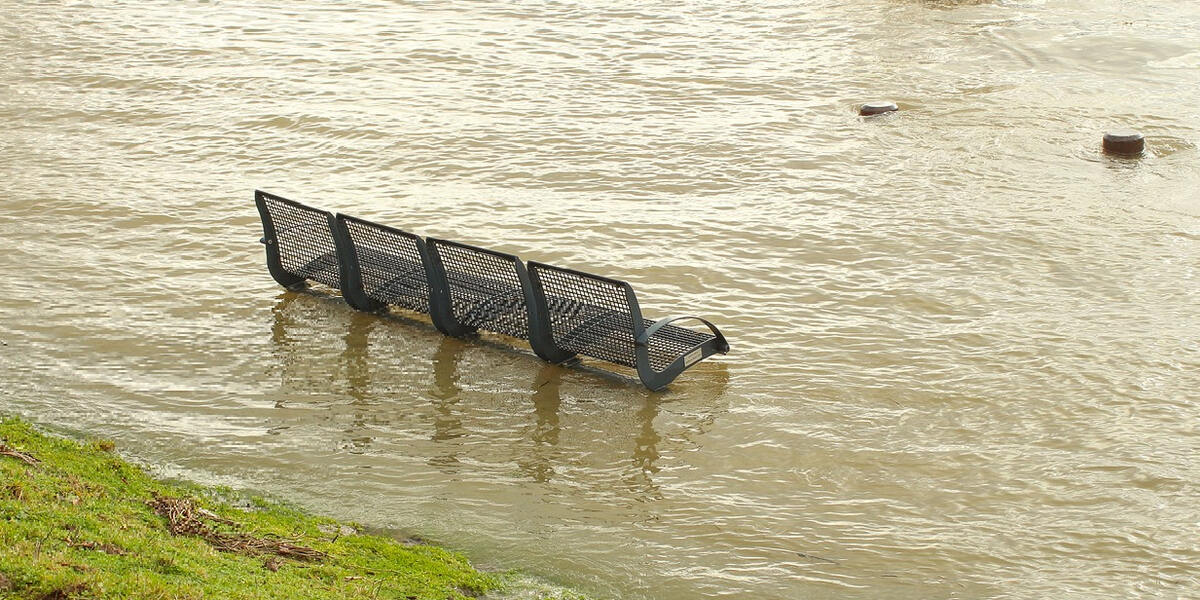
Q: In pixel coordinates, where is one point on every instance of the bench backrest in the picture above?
(391, 263)
(487, 289)
(588, 314)
(299, 239)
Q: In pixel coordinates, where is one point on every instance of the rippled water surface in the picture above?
(966, 345)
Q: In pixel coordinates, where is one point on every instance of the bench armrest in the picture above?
(644, 338)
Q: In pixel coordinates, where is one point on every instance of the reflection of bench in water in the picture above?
(561, 312)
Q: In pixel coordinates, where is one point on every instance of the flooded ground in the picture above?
(965, 344)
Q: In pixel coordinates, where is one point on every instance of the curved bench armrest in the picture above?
(644, 339)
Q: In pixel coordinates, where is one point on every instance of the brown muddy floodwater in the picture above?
(966, 345)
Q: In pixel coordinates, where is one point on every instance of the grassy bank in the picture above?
(76, 521)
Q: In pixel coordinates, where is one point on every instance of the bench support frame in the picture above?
(348, 265)
(271, 241)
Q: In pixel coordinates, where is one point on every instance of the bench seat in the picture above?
(391, 264)
(484, 289)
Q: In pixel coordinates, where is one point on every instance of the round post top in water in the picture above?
(1124, 141)
(877, 108)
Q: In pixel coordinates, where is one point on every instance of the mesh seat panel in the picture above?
(671, 342)
(390, 264)
(591, 315)
(485, 289)
(306, 247)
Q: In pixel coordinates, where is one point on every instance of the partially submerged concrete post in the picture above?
(1124, 142)
(877, 108)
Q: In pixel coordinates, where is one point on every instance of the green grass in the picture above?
(78, 524)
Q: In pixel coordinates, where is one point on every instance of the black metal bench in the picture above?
(561, 312)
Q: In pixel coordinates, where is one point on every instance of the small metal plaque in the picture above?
(693, 357)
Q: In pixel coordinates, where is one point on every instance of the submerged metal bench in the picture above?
(561, 312)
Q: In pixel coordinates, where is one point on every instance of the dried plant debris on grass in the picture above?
(6, 450)
(184, 517)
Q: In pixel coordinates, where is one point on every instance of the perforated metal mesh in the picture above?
(485, 289)
(305, 241)
(671, 342)
(390, 264)
(591, 316)
(588, 316)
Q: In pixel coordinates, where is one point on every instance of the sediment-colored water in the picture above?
(965, 343)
